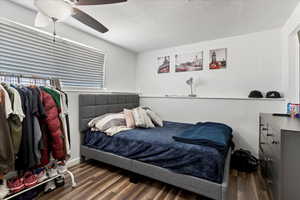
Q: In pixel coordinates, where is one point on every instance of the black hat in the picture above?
(273, 94)
(255, 94)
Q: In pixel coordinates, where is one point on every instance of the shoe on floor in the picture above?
(4, 191)
(50, 186)
(29, 179)
(16, 184)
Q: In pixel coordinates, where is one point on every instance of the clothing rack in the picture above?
(37, 80)
(24, 79)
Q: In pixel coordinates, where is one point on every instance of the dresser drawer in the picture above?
(274, 143)
(271, 172)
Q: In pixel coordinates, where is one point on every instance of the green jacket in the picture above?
(55, 95)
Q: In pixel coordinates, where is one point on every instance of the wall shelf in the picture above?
(203, 97)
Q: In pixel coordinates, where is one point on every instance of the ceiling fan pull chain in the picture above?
(54, 30)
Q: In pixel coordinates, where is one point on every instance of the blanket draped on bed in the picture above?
(156, 146)
(211, 134)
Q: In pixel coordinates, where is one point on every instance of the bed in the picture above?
(196, 168)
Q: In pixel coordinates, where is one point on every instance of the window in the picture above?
(24, 50)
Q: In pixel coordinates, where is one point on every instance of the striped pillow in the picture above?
(129, 118)
(106, 121)
(141, 118)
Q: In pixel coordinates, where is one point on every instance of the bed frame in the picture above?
(91, 106)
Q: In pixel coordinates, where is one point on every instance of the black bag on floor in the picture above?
(243, 161)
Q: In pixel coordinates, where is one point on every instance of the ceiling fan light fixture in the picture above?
(57, 9)
(41, 20)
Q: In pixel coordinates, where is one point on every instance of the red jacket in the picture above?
(54, 127)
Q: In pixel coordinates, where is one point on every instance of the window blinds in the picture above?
(27, 51)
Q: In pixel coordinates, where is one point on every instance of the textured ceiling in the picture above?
(141, 25)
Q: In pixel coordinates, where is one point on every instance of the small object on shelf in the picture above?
(293, 110)
(190, 83)
(273, 95)
(255, 94)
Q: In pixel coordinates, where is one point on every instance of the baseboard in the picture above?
(73, 162)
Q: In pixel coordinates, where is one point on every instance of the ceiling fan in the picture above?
(59, 10)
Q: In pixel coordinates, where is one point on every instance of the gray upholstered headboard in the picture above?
(93, 105)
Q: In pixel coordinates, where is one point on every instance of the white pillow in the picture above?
(104, 122)
(155, 118)
(141, 118)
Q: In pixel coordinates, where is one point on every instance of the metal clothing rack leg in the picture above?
(72, 178)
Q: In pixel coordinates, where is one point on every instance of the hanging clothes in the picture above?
(17, 104)
(34, 125)
(60, 101)
(16, 117)
(8, 106)
(38, 112)
(54, 126)
(55, 95)
(63, 116)
(26, 157)
(7, 155)
(67, 118)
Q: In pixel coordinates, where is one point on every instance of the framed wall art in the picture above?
(218, 59)
(189, 62)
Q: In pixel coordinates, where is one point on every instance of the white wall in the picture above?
(120, 63)
(254, 62)
(290, 56)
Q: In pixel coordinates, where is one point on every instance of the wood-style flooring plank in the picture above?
(98, 181)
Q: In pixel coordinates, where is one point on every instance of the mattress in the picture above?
(157, 147)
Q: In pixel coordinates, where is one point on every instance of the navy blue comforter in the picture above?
(209, 134)
(157, 147)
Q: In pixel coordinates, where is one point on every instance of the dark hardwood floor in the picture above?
(98, 181)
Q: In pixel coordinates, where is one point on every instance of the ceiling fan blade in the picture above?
(88, 20)
(95, 2)
(41, 20)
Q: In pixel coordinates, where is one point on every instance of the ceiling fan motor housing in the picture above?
(57, 9)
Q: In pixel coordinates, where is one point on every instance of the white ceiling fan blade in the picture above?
(41, 20)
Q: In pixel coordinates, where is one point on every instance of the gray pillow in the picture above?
(155, 118)
(141, 118)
